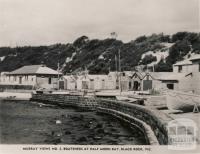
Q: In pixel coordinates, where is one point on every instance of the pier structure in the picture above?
(151, 122)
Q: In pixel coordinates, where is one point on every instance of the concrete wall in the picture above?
(69, 84)
(196, 82)
(28, 80)
(15, 87)
(110, 84)
(43, 82)
(152, 122)
(14, 80)
(187, 68)
(190, 83)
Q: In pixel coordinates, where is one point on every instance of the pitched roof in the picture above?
(167, 76)
(188, 61)
(97, 76)
(34, 69)
(184, 62)
(138, 74)
(69, 77)
(195, 57)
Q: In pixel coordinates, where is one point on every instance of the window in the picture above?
(180, 69)
(49, 80)
(170, 86)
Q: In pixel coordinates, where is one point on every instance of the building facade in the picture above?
(37, 76)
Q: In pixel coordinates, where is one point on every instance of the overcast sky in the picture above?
(43, 22)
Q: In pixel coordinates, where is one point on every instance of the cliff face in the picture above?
(99, 56)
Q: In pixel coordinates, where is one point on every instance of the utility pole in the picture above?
(120, 88)
(116, 72)
(58, 68)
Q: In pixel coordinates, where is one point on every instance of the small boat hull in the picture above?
(182, 101)
(11, 96)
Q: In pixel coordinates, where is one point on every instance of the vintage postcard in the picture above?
(99, 76)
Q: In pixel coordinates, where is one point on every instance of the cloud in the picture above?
(40, 22)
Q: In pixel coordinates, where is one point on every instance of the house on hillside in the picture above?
(36, 76)
(190, 69)
(185, 77)
(166, 80)
(190, 65)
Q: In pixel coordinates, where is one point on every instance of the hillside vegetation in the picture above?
(99, 56)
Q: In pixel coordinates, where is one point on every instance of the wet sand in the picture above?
(32, 123)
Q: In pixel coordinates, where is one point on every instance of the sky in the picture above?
(45, 22)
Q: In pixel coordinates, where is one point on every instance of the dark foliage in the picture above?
(148, 59)
(87, 53)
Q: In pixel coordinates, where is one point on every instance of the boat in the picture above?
(11, 96)
(124, 98)
(184, 101)
(14, 98)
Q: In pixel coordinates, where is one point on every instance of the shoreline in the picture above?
(55, 125)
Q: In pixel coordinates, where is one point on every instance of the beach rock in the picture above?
(113, 142)
(97, 137)
(100, 131)
(56, 141)
(58, 122)
(91, 135)
(99, 125)
(86, 126)
(82, 139)
(77, 118)
(67, 132)
(52, 133)
(113, 129)
(53, 141)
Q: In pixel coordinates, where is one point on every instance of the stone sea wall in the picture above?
(24, 87)
(151, 122)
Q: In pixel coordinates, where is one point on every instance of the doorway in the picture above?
(135, 85)
(20, 80)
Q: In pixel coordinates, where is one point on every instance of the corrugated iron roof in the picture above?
(167, 76)
(34, 69)
(184, 62)
(195, 57)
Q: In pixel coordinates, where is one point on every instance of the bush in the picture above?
(148, 59)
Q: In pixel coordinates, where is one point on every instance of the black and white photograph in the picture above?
(100, 73)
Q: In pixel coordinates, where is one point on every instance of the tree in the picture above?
(148, 59)
(163, 67)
